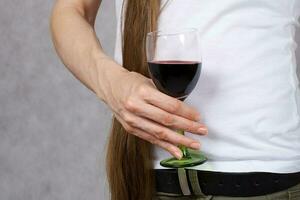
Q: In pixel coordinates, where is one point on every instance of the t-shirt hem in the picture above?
(275, 166)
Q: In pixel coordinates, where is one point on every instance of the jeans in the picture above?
(292, 193)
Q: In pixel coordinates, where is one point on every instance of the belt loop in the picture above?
(183, 181)
(193, 177)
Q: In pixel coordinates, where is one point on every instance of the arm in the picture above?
(136, 103)
(72, 28)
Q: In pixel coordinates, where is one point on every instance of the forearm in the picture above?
(78, 47)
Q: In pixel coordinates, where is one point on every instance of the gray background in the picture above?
(53, 130)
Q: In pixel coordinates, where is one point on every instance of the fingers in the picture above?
(171, 148)
(171, 105)
(174, 121)
(159, 131)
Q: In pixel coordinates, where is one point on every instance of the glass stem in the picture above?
(184, 149)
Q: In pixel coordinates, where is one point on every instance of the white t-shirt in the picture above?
(248, 91)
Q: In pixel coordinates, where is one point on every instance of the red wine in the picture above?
(175, 78)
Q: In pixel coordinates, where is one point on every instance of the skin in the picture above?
(133, 98)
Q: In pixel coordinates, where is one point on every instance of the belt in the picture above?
(234, 184)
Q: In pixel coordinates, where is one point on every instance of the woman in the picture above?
(248, 95)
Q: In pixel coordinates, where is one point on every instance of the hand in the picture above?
(151, 115)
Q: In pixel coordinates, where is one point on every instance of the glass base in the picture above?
(193, 159)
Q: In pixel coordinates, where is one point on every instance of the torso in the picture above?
(248, 91)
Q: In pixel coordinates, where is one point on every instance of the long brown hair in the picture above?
(129, 158)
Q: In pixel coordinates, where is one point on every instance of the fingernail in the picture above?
(178, 155)
(202, 129)
(195, 145)
(198, 118)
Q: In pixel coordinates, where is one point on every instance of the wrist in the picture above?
(105, 73)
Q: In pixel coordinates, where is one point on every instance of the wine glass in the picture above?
(174, 65)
